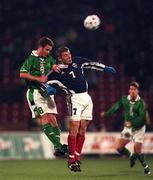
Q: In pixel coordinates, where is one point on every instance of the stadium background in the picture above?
(124, 41)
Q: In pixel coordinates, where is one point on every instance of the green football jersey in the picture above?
(135, 112)
(37, 66)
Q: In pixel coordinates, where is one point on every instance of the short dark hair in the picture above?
(135, 84)
(61, 50)
(43, 41)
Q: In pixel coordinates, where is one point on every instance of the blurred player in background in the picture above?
(135, 120)
(34, 71)
(72, 80)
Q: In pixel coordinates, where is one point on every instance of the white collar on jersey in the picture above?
(63, 66)
(132, 102)
(34, 53)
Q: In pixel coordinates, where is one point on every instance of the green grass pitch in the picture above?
(106, 168)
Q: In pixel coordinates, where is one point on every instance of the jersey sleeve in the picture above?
(115, 108)
(94, 65)
(25, 68)
(88, 64)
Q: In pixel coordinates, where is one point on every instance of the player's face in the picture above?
(66, 57)
(133, 92)
(44, 51)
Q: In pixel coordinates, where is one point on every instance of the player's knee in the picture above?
(137, 149)
(44, 119)
(74, 127)
(52, 120)
(82, 130)
(73, 132)
(138, 152)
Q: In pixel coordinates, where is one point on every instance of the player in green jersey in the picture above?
(34, 70)
(134, 124)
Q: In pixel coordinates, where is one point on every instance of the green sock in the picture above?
(124, 151)
(142, 160)
(57, 132)
(49, 131)
(134, 156)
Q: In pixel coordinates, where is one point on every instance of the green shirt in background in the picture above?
(37, 66)
(135, 112)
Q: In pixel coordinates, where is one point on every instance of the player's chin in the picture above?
(45, 55)
(69, 61)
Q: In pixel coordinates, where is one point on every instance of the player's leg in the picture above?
(138, 139)
(50, 128)
(80, 139)
(125, 138)
(61, 149)
(133, 158)
(76, 107)
(86, 117)
(141, 158)
(45, 109)
(74, 128)
(120, 146)
(52, 131)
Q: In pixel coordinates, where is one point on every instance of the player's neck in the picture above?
(38, 52)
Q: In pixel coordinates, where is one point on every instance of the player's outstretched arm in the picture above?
(99, 67)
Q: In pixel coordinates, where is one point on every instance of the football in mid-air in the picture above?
(92, 22)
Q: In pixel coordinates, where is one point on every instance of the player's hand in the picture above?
(47, 90)
(42, 79)
(127, 124)
(110, 69)
(56, 68)
(102, 114)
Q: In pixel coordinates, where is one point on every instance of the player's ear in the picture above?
(59, 59)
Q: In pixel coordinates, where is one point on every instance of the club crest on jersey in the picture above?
(74, 65)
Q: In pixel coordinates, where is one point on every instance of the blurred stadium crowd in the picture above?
(124, 40)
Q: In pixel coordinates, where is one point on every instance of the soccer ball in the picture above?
(92, 22)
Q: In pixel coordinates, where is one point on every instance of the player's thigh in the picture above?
(39, 105)
(81, 107)
(88, 109)
(74, 109)
(138, 135)
(121, 142)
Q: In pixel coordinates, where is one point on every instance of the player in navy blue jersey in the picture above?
(72, 80)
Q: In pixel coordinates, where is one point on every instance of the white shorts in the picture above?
(40, 105)
(80, 106)
(135, 135)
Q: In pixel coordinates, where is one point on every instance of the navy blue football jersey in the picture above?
(71, 78)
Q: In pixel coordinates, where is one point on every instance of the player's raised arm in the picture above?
(98, 66)
(113, 109)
